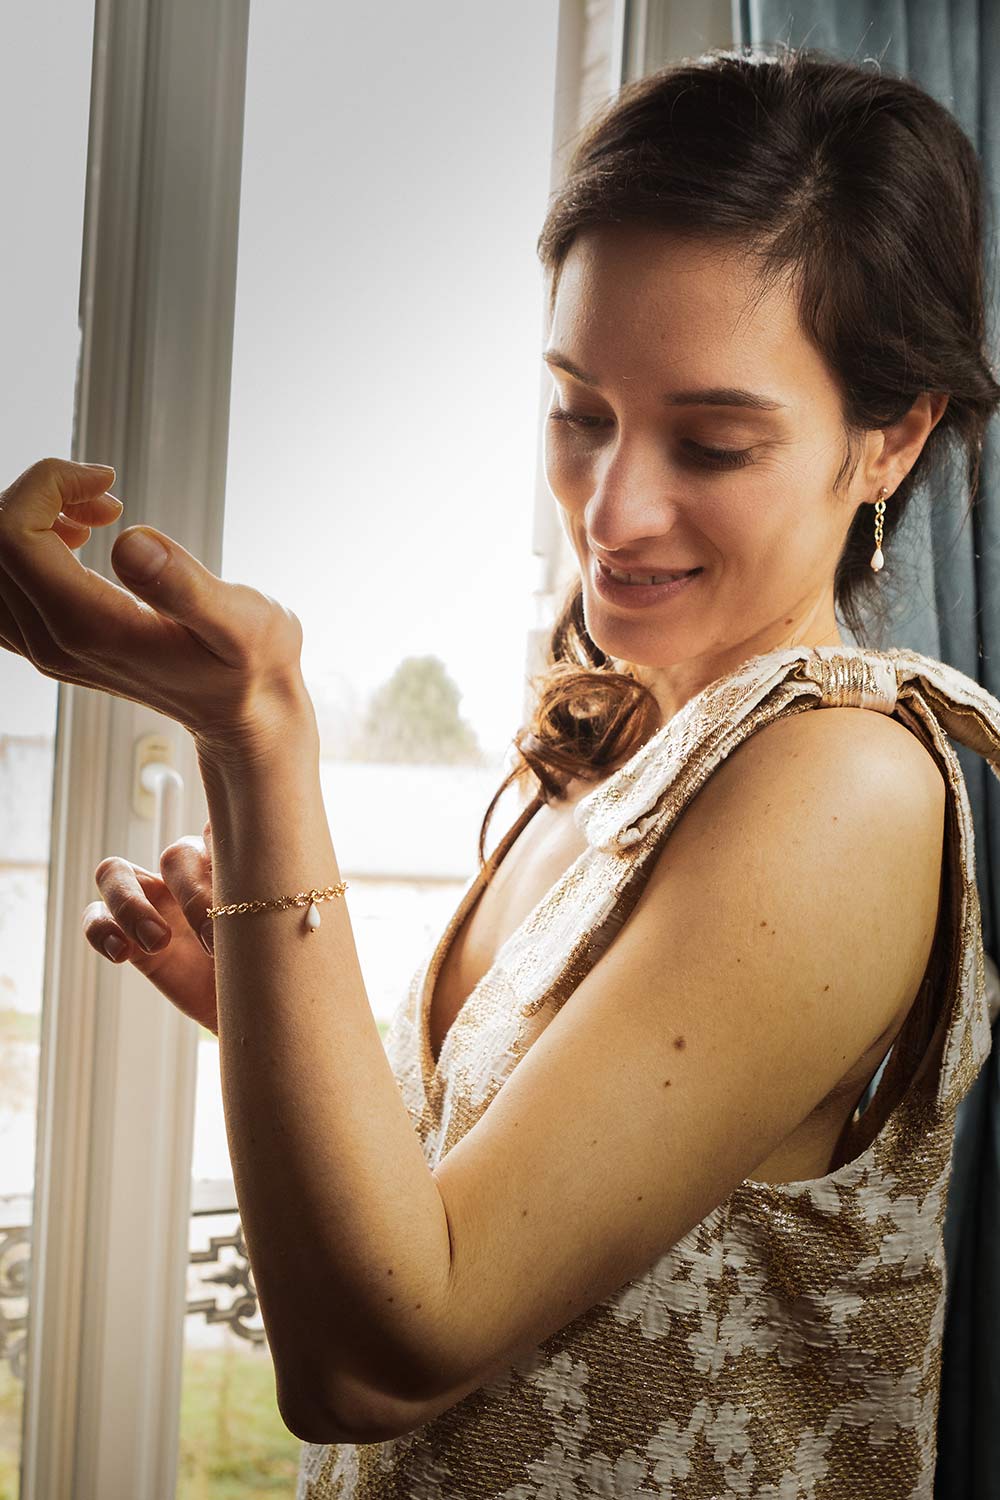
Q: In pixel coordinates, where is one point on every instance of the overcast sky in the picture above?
(385, 399)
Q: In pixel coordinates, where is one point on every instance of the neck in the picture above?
(675, 685)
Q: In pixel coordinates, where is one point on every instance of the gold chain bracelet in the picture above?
(282, 903)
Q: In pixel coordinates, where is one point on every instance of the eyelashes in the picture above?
(713, 458)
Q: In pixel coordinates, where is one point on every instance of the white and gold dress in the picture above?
(788, 1347)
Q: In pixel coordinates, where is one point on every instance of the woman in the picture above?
(603, 1217)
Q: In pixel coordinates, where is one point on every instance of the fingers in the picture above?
(56, 601)
(178, 967)
(205, 652)
(146, 910)
(44, 588)
(187, 871)
(74, 533)
(53, 487)
(98, 510)
(38, 495)
(128, 913)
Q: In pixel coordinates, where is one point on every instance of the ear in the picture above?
(903, 442)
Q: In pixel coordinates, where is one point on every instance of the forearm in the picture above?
(345, 1227)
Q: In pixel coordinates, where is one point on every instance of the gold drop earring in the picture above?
(878, 561)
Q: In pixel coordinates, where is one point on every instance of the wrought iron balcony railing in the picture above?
(223, 1264)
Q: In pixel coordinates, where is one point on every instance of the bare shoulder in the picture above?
(851, 763)
(840, 814)
(848, 806)
(857, 732)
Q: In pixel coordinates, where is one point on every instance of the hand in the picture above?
(220, 658)
(180, 967)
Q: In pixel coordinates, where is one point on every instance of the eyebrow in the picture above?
(717, 395)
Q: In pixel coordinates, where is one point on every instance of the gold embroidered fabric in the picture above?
(789, 1345)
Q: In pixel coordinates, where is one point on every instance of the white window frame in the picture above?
(117, 1064)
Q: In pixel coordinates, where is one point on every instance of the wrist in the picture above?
(279, 726)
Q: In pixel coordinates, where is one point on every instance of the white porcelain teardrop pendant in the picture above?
(313, 918)
(878, 561)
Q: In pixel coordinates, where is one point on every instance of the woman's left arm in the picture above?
(344, 1223)
(347, 1232)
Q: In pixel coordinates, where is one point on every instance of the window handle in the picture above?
(158, 792)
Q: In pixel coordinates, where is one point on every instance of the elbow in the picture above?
(356, 1415)
(305, 1411)
(310, 1429)
(308, 1420)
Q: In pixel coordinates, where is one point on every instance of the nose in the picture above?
(634, 502)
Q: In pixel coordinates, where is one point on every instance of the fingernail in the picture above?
(114, 947)
(150, 934)
(141, 556)
(208, 939)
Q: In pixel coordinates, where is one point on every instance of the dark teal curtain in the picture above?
(949, 608)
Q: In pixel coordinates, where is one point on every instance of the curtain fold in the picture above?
(948, 606)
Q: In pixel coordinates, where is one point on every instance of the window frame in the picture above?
(117, 1073)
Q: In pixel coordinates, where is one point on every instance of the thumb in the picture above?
(139, 554)
(222, 616)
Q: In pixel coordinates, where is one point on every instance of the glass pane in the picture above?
(381, 482)
(44, 117)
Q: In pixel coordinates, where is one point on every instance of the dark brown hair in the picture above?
(863, 189)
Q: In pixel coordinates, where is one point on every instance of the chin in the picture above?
(635, 645)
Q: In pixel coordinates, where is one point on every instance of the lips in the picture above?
(645, 570)
(640, 595)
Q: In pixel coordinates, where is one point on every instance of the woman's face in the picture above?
(698, 428)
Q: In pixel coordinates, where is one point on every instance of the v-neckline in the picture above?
(429, 1069)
